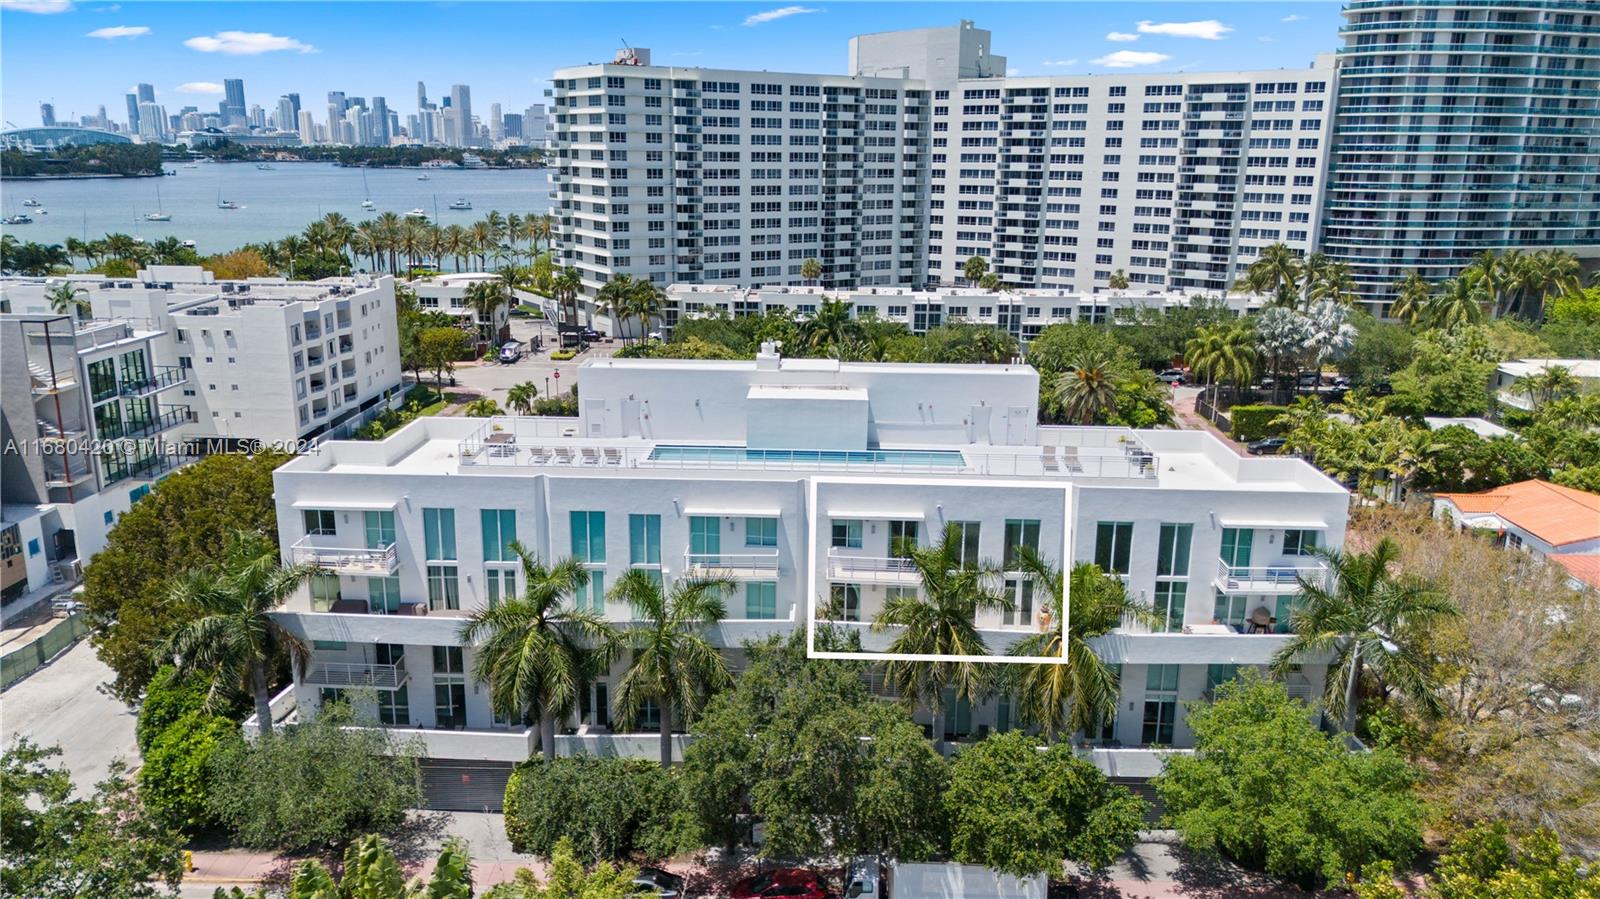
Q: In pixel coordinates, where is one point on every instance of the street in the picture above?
(61, 704)
(493, 380)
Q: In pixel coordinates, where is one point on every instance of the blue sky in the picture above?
(78, 53)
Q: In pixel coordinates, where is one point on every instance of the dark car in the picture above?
(1269, 446)
(797, 883)
(659, 883)
(590, 335)
(1172, 376)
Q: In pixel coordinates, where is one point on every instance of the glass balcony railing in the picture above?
(160, 378)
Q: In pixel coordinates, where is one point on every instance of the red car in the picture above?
(788, 882)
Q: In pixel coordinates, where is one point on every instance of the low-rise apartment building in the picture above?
(800, 479)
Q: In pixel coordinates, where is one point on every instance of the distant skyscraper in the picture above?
(336, 108)
(308, 127)
(152, 122)
(422, 96)
(287, 118)
(146, 92)
(294, 103)
(233, 105)
(534, 119)
(258, 116)
(497, 128)
(511, 124)
(380, 122)
(47, 114)
(102, 121)
(461, 102)
(133, 114)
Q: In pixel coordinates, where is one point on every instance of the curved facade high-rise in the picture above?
(1462, 125)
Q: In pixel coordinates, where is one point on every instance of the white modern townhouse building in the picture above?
(447, 293)
(1021, 312)
(1462, 127)
(926, 155)
(89, 418)
(1437, 131)
(800, 479)
(260, 359)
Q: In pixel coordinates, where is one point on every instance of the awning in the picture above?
(1264, 522)
(877, 514)
(354, 505)
(732, 513)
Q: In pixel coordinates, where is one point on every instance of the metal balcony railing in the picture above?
(1284, 578)
(701, 563)
(344, 559)
(162, 377)
(356, 674)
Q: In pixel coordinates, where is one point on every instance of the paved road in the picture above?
(494, 380)
(61, 704)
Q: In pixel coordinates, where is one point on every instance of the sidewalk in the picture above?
(1183, 408)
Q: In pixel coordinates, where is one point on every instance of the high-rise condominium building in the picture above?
(461, 110)
(927, 155)
(497, 125)
(146, 93)
(47, 115)
(133, 113)
(1463, 127)
(233, 106)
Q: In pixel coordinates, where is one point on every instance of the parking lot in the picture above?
(494, 379)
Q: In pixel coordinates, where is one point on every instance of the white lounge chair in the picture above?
(613, 456)
(591, 456)
(564, 455)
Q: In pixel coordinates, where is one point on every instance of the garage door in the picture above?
(456, 786)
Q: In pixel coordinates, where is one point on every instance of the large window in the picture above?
(1020, 592)
(102, 379)
(592, 596)
(1160, 704)
(1217, 675)
(965, 534)
(761, 599)
(847, 533)
(449, 688)
(394, 706)
(902, 538)
(500, 584)
(439, 530)
(844, 602)
(324, 591)
(1113, 542)
(588, 536)
(761, 532)
(383, 595)
(1236, 546)
(1231, 609)
(705, 538)
(319, 522)
(499, 532)
(1020, 532)
(444, 592)
(1170, 598)
(1172, 556)
(644, 539)
(1298, 542)
(380, 529)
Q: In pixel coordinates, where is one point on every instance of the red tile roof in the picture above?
(1555, 514)
(1583, 566)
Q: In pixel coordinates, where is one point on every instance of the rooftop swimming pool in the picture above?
(734, 455)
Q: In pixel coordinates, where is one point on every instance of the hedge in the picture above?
(609, 807)
(1255, 422)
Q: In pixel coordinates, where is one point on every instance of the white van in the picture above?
(511, 351)
(869, 878)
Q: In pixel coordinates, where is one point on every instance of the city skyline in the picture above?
(188, 52)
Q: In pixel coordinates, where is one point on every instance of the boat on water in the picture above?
(418, 213)
(366, 191)
(263, 167)
(18, 219)
(462, 203)
(227, 204)
(160, 215)
(31, 201)
(368, 204)
(422, 178)
(191, 165)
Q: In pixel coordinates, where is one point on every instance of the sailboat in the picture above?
(366, 191)
(160, 215)
(224, 204)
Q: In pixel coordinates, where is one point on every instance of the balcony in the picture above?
(873, 569)
(345, 560)
(161, 378)
(740, 566)
(1284, 578)
(356, 674)
(168, 418)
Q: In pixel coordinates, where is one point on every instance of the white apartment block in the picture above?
(1023, 313)
(447, 293)
(798, 478)
(927, 155)
(262, 359)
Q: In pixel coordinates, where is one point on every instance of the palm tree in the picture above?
(537, 652)
(1367, 618)
(521, 396)
(646, 302)
(1412, 295)
(567, 285)
(1405, 454)
(811, 270)
(1496, 275)
(990, 282)
(673, 663)
(1277, 270)
(1081, 694)
(1118, 280)
(482, 407)
(1541, 388)
(1329, 332)
(831, 325)
(974, 269)
(1088, 386)
(485, 298)
(483, 240)
(387, 225)
(614, 298)
(67, 299)
(1459, 302)
(1222, 353)
(940, 619)
(541, 229)
(234, 638)
(1333, 283)
(1304, 426)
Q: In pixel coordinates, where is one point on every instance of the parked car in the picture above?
(1172, 376)
(590, 335)
(1268, 446)
(511, 351)
(658, 883)
(792, 883)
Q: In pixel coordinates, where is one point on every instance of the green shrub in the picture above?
(175, 782)
(562, 355)
(1255, 422)
(609, 808)
(167, 699)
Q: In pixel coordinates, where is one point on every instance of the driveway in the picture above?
(61, 704)
(493, 379)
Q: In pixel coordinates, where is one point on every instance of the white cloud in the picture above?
(199, 87)
(1207, 29)
(1127, 59)
(115, 7)
(1013, 71)
(42, 7)
(1060, 62)
(1292, 17)
(782, 12)
(246, 43)
(1122, 36)
(116, 31)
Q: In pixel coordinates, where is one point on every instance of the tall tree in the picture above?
(672, 662)
(974, 269)
(811, 270)
(1276, 270)
(536, 652)
(1412, 294)
(67, 298)
(235, 641)
(1222, 353)
(1087, 389)
(1370, 619)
